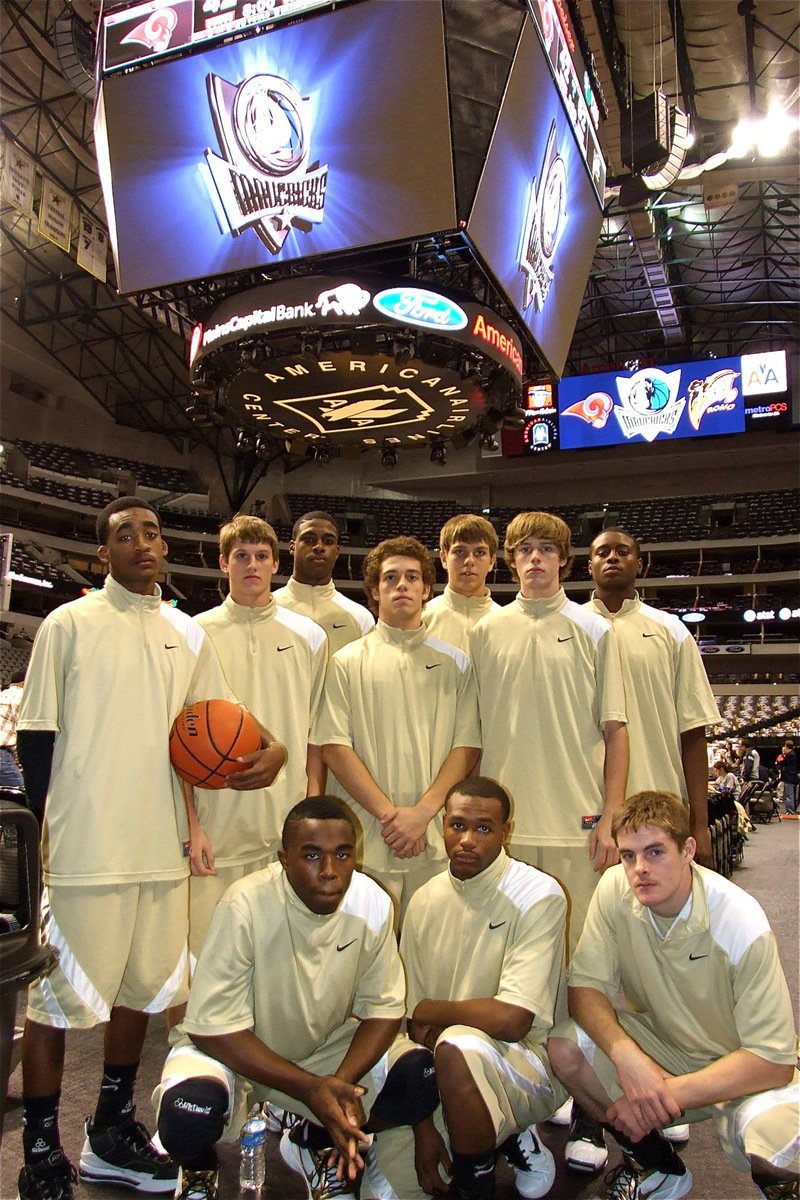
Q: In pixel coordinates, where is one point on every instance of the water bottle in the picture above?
(253, 1150)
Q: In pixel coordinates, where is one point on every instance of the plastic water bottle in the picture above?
(253, 1151)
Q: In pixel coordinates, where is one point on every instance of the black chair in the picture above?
(22, 957)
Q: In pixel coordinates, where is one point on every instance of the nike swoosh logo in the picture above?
(432, 666)
(166, 647)
(649, 635)
(344, 947)
(567, 639)
(694, 957)
(282, 648)
(340, 626)
(497, 926)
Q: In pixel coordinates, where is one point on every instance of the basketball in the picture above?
(208, 737)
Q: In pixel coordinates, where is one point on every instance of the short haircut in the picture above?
(486, 789)
(403, 547)
(251, 531)
(18, 676)
(316, 515)
(315, 808)
(103, 523)
(542, 525)
(468, 527)
(789, 742)
(616, 529)
(662, 810)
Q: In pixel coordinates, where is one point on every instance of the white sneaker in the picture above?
(320, 1179)
(562, 1115)
(586, 1149)
(278, 1118)
(677, 1134)
(533, 1165)
(629, 1182)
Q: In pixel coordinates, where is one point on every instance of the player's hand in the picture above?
(704, 854)
(201, 853)
(647, 1102)
(403, 829)
(430, 1153)
(259, 769)
(337, 1105)
(602, 847)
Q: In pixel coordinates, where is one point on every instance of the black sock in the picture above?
(115, 1103)
(313, 1136)
(652, 1152)
(40, 1136)
(474, 1174)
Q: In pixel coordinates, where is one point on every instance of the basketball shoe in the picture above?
(123, 1156)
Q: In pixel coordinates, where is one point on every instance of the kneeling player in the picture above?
(297, 1000)
(707, 1029)
(483, 946)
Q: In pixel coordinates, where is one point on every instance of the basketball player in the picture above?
(311, 592)
(668, 698)
(706, 1029)
(483, 948)
(399, 722)
(274, 660)
(297, 1000)
(468, 552)
(107, 677)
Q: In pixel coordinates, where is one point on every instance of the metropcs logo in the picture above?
(263, 126)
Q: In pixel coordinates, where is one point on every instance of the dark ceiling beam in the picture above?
(685, 73)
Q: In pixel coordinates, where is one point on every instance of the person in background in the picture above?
(786, 763)
(10, 697)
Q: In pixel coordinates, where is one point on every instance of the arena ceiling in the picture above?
(670, 280)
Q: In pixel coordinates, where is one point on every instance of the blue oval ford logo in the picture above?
(416, 306)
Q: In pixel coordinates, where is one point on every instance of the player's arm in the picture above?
(35, 752)
(405, 826)
(262, 767)
(357, 781)
(648, 1102)
(740, 1073)
(694, 758)
(316, 771)
(201, 852)
(331, 1099)
(506, 1022)
(370, 1042)
(602, 848)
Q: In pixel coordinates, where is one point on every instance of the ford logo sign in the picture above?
(416, 306)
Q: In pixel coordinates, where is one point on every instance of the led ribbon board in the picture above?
(362, 391)
(696, 399)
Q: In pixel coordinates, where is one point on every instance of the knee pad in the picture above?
(410, 1093)
(191, 1118)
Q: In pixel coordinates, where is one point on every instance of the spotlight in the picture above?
(470, 366)
(263, 449)
(244, 441)
(198, 410)
(487, 441)
(515, 418)
(311, 346)
(389, 455)
(403, 349)
(438, 452)
(321, 453)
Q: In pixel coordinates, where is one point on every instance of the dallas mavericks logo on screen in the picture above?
(263, 182)
(544, 225)
(649, 403)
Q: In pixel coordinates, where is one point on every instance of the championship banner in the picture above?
(18, 179)
(55, 214)
(92, 247)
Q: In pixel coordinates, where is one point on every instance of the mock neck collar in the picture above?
(311, 591)
(628, 605)
(248, 612)
(467, 605)
(406, 638)
(122, 598)
(477, 887)
(543, 607)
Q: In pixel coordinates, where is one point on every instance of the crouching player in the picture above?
(483, 946)
(297, 1000)
(707, 1029)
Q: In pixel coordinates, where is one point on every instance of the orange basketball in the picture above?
(208, 737)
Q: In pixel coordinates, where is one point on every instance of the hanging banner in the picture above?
(18, 179)
(92, 247)
(55, 214)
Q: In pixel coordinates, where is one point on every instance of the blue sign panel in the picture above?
(697, 399)
(311, 138)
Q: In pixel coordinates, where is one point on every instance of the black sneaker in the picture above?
(48, 1180)
(585, 1149)
(123, 1156)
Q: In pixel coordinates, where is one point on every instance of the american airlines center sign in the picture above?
(367, 390)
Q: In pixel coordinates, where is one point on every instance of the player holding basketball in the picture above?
(108, 675)
(274, 660)
(468, 552)
(311, 592)
(399, 722)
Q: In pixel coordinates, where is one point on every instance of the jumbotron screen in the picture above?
(281, 145)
